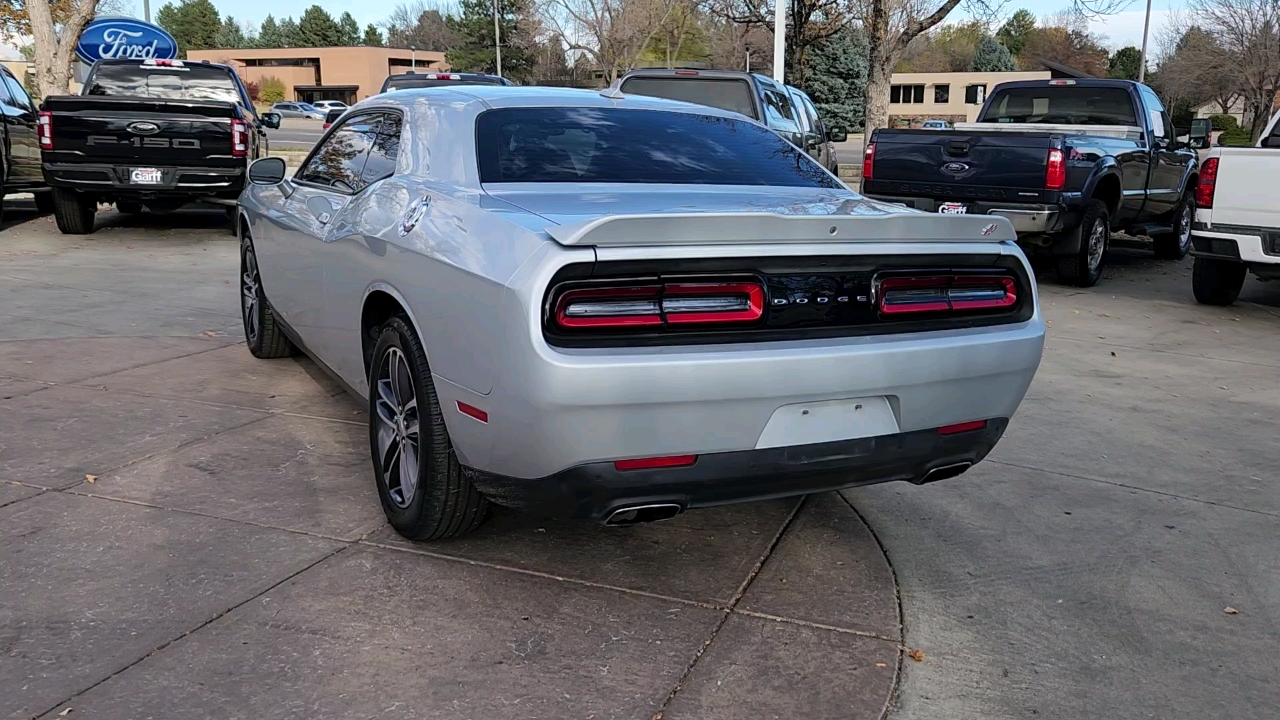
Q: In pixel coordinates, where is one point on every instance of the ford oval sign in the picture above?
(125, 39)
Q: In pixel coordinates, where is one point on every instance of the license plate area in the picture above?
(828, 421)
(953, 208)
(145, 176)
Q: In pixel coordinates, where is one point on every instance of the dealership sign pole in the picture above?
(779, 37)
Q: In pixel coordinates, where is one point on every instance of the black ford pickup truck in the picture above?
(1067, 161)
(149, 133)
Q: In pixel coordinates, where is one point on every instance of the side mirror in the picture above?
(271, 120)
(837, 134)
(267, 171)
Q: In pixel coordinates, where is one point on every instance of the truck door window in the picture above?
(778, 111)
(1156, 112)
(801, 115)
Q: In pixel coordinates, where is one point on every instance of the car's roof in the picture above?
(690, 73)
(512, 96)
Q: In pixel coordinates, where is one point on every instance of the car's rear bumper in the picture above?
(1249, 245)
(1027, 218)
(174, 181)
(596, 490)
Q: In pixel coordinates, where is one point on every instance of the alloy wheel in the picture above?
(397, 426)
(1097, 243)
(1184, 227)
(249, 295)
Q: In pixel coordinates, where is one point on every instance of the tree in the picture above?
(372, 36)
(54, 28)
(890, 26)
(1013, 34)
(269, 35)
(948, 48)
(681, 38)
(290, 36)
(837, 79)
(1194, 69)
(1125, 63)
(317, 28)
(474, 52)
(271, 90)
(1246, 34)
(1066, 39)
(349, 30)
(991, 56)
(612, 33)
(417, 25)
(231, 35)
(808, 22)
(193, 23)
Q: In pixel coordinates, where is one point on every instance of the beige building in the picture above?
(348, 74)
(956, 96)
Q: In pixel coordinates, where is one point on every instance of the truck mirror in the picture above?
(267, 171)
(837, 134)
(271, 120)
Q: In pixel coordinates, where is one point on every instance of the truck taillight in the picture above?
(868, 161)
(1055, 175)
(655, 305)
(239, 138)
(45, 129)
(898, 296)
(1208, 180)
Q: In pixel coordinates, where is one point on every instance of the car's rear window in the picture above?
(191, 82)
(395, 83)
(615, 145)
(726, 94)
(1061, 105)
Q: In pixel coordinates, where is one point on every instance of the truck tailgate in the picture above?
(962, 165)
(1244, 195)
(141, 131)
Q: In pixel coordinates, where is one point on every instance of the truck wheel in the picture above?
(262, 334)
(423, 490)
(1217, 282)
(74, 212)
(1084, 269)
(1175, 245)
(44, 202)
(128, 207)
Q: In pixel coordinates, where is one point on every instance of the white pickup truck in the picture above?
(1237, 225)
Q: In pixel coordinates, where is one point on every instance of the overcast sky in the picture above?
(1124, 28)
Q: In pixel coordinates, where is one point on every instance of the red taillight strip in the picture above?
(1208, 181)
(963, 427)
(655, 462)
(868, 162)
(45, 125)
(945, 293)
(753, 311)
(654, 305)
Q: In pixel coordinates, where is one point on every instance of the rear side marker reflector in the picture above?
(473, 412)
(963, 427)
(669, 461)
(945, 294)
(654, 305)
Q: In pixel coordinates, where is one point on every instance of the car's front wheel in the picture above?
(262, 333)
(423, 490)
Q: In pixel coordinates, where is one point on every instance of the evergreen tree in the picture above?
(289, 35)
(193, 23)
(317, 28)
(1124, 64)
(991, 56)
(837, 79)
(349, 30)
(372, 36)
(1014, 33)
(475, 52)
(269, 35)
(231, 35)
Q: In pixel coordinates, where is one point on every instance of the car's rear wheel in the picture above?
(1176, 244)
(423, 490)
(73, 211)
(1217, 282)
(1084, 268)
(262, 333)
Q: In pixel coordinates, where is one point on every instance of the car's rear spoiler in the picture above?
(765, 228)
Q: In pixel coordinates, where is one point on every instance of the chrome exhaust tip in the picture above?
(944, 472)
(636, 514)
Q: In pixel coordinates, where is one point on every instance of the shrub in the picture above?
(1237, 136)
(271, 90)
(1224, 123)
(254, 90)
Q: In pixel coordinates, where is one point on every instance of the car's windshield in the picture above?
(308, 108)
(1061, 105)
(613, 145)
(729, 94)
(191, 82)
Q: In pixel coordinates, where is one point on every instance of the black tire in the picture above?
(1175, 245)
(44, 202)
(262, 333)
(74, 212)
(1217, 282)
(128, 207)
(233, 220)
(442, 503)
(1084, 268)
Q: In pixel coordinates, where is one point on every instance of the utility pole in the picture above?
(497, 38)
(780, 37)
(748, 61)
(146, 10)
(1146, 26)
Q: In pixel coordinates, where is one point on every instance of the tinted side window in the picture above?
(4, 92)
(338, 164)
(805, 123)
(384, 151)
(1156, 111)
(814, 120)
(778, 112)
(19, 96)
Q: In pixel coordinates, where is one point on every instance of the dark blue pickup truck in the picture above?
(1067, 161)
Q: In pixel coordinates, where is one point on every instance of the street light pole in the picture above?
(1146, 27)
(146, 10)
(779, 37)
(497, 38)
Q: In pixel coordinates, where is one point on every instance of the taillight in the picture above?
(945, 294)
(653, 305)
(1055, 175)
(1208, 179)
(45, 129)
(239, 138)
(868, 161)
(325, 126)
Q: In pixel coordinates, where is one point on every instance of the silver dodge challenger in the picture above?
(618, 308)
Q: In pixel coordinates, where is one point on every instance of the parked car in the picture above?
(1067, 161)
(298, 110)
(786, 110)
(19, 144)
(149, 133)
(584, 312)
(1237, 226)
(411, 79)
(332, 116)
(935, 125)
(327, 105)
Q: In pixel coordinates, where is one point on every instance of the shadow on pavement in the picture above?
(191, 217)
(18, 211)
